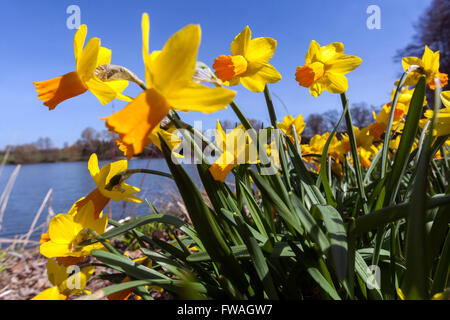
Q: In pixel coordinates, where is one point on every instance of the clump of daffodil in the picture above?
(67, 231)
(292, 127)
(428, 65)
(87, 59)
(317, 143)
(325, 68)
(101, 195)
(235, 150)
(362, 136)
(442, 125)
(248, 63)
(65, 282)
(169, 75)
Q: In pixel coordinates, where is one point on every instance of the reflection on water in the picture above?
(71, 181)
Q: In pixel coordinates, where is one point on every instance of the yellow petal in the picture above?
(135, 122)
(430, 59)
(338, 83)
(106, 91)
(343, 63)
(330, 50)
(104, 56)
(222, 166)
(175, 64)
(50, 294)
(56, 273)
(261, 49)
(241, 42)
(78, 41)
(313, 52)
(88, 60)
(94, 168)
(256, 81)
(317, 88)
(409, 61)
(445, 96)
(145, 26)
(197, 97)
(51, 249)
(62, 229)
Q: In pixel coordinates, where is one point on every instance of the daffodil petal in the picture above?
(78, 41)
(88, 60)
(175, 64)
(135, 122)
(56, 273)
(317, 88)
(93, 168)
(241, 42)
(338, 83)
(51, 249)
(445, 96)
(105, 91)
(50, 294)
(343, 63)
(261, 49)
(104, 56)
(313, 52)
(61, 228)
(410, 61)
(330, 50)
(257, 81)
(197, 97)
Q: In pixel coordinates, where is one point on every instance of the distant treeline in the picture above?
(104, 145)
(91, 141)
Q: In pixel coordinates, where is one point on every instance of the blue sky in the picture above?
(36, 45)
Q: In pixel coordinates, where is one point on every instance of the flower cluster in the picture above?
(174, 82)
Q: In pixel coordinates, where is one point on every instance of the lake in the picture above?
(71, 181)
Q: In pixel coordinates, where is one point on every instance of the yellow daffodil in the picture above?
(317, 143)
(169, 74)
(429, 66)
(288, 125)
(442, 126)
(64, 283)
(100, 196)
(235, 150)
(378, 128)
(248, 63)
(67, 231)
(87, 59)
(363, 139)
(325, 68)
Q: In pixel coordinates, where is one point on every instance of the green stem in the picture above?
(241, 116)
(354, 149)
(387, 134)
(270, 107)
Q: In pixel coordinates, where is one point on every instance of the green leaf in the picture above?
(338, 238)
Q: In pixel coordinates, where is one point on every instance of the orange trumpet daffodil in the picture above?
(248, 62)
(67, 231)
(325, 68)
(87, 59)
(101, 195)
(169, 74)
(64, 281)
(429, 66)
